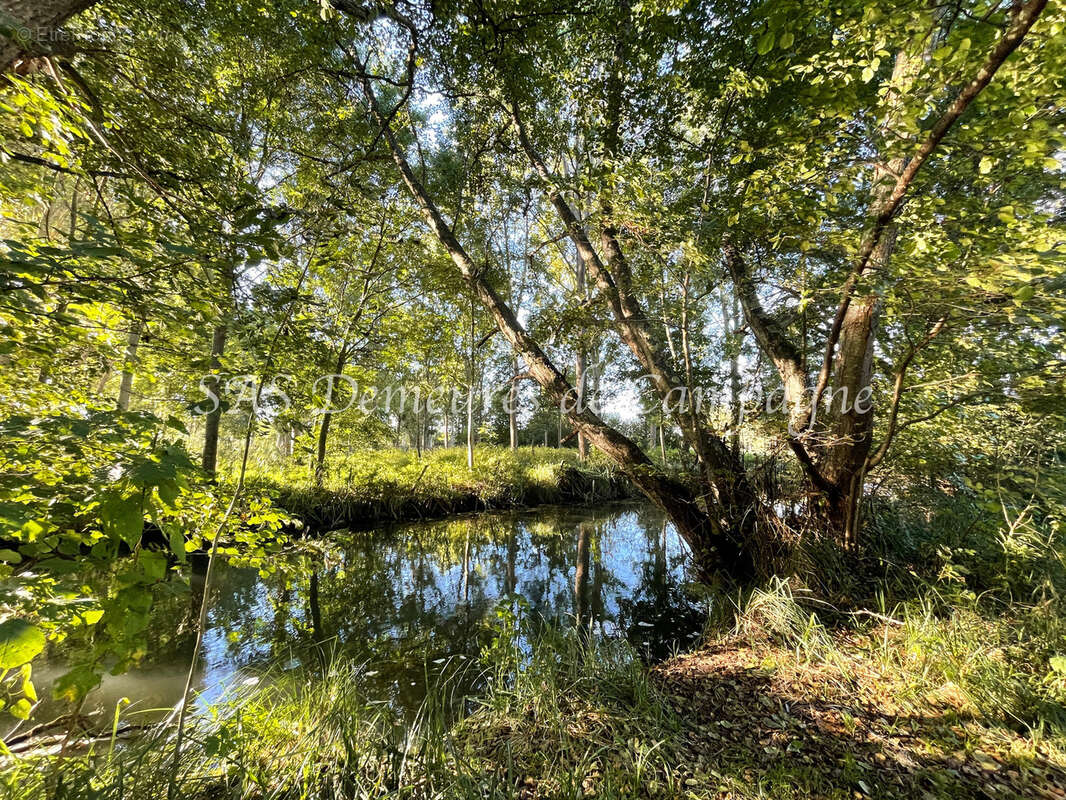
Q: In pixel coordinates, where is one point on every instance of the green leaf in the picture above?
(29, 691)
(154, 564)
(765, 43)
(122, 517)
(168, 492)
(177, 542)
(786, 40)
(76, 684)
(20, 642)
(21, 709)
(985, 166)
(1024, 294)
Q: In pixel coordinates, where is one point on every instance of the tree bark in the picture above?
(729, 325)
(209, 459)
(32, 27)
(512, 405)
(125, 389)
(323, 430)
(579, 362)
(470, 394)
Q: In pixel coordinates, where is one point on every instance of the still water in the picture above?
(407, 599)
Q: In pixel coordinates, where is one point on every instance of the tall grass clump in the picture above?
(292, 736)
(1008, 668)
(562, 715)
(775, 613)
(569, 716)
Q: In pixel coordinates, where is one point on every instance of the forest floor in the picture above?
(923, 703)
(764, 723)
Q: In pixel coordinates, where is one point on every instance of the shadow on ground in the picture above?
(756, 726)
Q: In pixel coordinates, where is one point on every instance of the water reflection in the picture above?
(408, 600)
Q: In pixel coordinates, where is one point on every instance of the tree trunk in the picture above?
(712, 545)
(728, 486)
(125, 389)
(729, 325)
(31, 27)
(580, 379)
(470, 392)
(284, 439)
(512, 405)
(831, 459)
(848, 431)
(214, 419)
(579, 366)
(850, 422)
(323, 430)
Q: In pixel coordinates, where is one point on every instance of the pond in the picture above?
(406, 600)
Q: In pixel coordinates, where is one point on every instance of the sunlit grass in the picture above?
(564, 715)
(367, 486)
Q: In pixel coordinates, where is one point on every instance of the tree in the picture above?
(612, 61)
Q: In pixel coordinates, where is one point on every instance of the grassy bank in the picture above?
(937, 669)
(367, 488)
(780, 703)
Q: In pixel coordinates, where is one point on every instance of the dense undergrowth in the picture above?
(363, 488)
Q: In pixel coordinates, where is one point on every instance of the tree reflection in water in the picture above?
(411, 601)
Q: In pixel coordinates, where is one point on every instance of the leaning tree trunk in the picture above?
(713, 547)
(730, 498)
